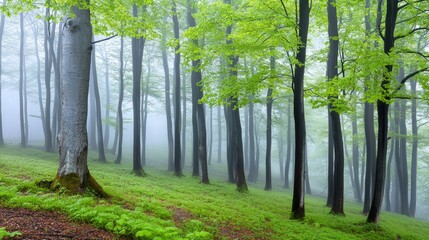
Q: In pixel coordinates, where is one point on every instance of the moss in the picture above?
(70, 184)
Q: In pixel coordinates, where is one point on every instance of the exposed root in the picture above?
(72, 185)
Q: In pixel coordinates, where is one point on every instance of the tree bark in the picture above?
(100, 142)
(167, 101)
(269, 104)
(49, 33)
(414, 129)
(252, 164)
(73, 173)
(2, 22)
(382, 112)
(120, 100)
(289, 142)
(298, 207)
(177, 114)
(137, 47)
(21, 82)
(219, 135)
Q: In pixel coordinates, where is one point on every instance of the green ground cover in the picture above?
(149, 207)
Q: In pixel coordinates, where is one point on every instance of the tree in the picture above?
(2, 21)
(73, 172)
(298, 208)
(177, 155)
(268, 184)
(22, 83)
(100, 139)
(337, 137)
(197, 95)
(120, 101)
(137, 46)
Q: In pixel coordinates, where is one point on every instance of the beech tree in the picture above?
(73, 172)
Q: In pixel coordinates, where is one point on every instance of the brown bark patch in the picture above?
(47, 225)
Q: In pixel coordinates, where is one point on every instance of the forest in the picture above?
(232, 119)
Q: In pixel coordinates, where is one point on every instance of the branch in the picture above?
(378, 23)
(408, 77)
(284, 8)
(416, 52)
(411, 32)
(105, 39)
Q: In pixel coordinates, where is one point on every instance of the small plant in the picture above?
(5, 233)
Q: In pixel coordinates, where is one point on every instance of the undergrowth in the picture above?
(145, 208)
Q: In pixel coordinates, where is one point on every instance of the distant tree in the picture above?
(49, 30)
(120, 101)
(21, 82)
(2, 22)
(73, 172)
(100, 139)
(269, 104)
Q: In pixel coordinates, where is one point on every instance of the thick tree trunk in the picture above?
(137, 46)
(298, 208)
(231, 154)
(73, 173)
(100, 147)
(167, 102)
(120, 100)
(177, 114)
(330, 196)
(337, 136)
(382, 110)
(252, 164)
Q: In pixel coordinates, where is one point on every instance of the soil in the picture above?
(47, 225)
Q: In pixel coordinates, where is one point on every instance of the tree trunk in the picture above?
(56, 122)
(337, 136)
(269, 99)
(330, 196)
(21, 82)
(177, 115)
(355, 157)
(120, 100)
(2, 21)
(167, 101)
(289, 143)
(298, 208)
(48, 67)
(183, 121)
(144, 113)
(107, 108)
(369, 133)
(73, 173)
(137, 46)
(231, 154)
(246, 138)
(219, 135)
(382, 111)
(413, 197)
(210, 136)
(100, 147)
(252, 164)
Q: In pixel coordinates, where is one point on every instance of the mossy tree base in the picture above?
(139, 173)
(72, 185)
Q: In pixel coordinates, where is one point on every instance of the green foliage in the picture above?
(141, 208)
(5, 233)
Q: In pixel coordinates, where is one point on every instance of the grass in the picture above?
(145, 208)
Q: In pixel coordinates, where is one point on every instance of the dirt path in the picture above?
(47, 225)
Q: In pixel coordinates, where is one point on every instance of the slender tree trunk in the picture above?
(38, 76)
(120, 100)
(183, 121)
(56, 122)
(356, 159)
(21, 81)
(107, 108)
(298, 208)
(289, 142)
(269, 99)
(414, 129)
(219, 135)
(177, 115)
(210, 136)
(48, 67)
(252, 166)
(73, 173)
(246, 138)
(167, 102)
(2, 22)
(388, 173)
(144, 113)
(101, 153)
(330, 196)
(137, 47)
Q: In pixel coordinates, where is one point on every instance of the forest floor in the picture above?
(47, 225)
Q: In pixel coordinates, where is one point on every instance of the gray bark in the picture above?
(120, 100)
(2, 22)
